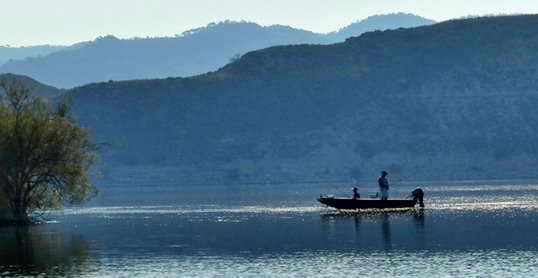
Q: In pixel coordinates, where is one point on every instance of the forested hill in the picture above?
(34, 87)
(194, 52)
(379, 22)
(451, 100)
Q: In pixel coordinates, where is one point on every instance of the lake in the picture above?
(467, 229)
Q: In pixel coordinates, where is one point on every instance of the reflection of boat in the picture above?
(348, 203)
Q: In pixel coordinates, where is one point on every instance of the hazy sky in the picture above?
(31, 22)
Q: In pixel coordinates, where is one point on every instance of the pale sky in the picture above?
(65, 22)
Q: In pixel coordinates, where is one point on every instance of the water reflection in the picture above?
(385, 229)
(418, 216)
(42, 250)
(487, 233)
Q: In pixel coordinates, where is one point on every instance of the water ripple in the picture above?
(498, 263)
(188, 210)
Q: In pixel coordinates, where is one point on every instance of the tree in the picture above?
(44, 155)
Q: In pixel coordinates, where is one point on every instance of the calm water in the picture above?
(280, 231)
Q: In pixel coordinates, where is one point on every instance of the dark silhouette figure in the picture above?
(356, 194)
(418, 196)
(384, 185)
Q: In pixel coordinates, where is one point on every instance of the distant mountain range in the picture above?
(453, 100)
(194, 52)
(19, 53)
(379, 22)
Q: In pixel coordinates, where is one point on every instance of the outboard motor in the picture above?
(418, 196)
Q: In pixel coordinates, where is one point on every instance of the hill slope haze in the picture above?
(451, 100)
(20, 53)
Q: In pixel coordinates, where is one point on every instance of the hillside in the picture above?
(35, 88)
(451, 100)
(194, 52)
(379, 22)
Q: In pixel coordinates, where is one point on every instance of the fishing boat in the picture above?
(351, 203)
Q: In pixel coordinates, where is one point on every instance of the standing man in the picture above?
(383, 185)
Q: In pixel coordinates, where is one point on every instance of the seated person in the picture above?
(356, 194)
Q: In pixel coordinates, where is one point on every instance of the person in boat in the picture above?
(356, 194)
(384, 185)
(418, 196)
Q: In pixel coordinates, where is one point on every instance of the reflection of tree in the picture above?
(42, 250)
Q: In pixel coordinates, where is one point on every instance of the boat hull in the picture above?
(348, 203)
